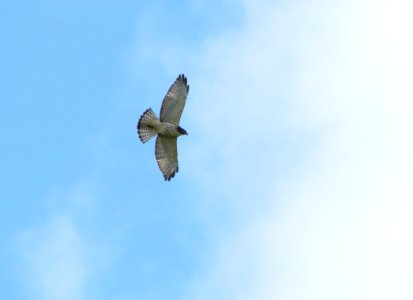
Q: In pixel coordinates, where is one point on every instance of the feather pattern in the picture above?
(166, 152)
(147, 125)
(174, 102)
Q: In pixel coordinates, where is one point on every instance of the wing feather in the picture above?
(174, 101)
(166, 152)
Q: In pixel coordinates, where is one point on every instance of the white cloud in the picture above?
(57, 260)
(317, 164)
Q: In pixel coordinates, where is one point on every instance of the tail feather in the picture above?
(145, 126)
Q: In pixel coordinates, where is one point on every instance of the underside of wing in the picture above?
(174, 101)
(166, 153)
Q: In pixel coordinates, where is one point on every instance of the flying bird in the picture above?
(166, 127)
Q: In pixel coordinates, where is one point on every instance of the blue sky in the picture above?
(295, 179)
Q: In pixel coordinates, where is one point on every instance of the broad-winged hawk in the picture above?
(166, 127)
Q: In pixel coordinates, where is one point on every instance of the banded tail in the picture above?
(146, 129)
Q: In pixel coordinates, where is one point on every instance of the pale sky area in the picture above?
(295, 181)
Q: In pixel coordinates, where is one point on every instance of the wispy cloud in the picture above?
(57, 265)
(56, 260)
(305, 128)
(59, 256)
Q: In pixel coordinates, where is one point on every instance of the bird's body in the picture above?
(153, 126)
(166, 127)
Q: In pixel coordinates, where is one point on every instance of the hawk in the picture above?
(166, 127)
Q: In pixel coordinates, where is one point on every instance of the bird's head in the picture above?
(182, 131)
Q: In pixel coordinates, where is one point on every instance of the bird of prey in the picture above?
(166, 127)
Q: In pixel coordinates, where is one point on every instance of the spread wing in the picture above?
(166, 152)
(174, 101)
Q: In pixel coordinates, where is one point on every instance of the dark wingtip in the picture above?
(184, 80)
(172, 175)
